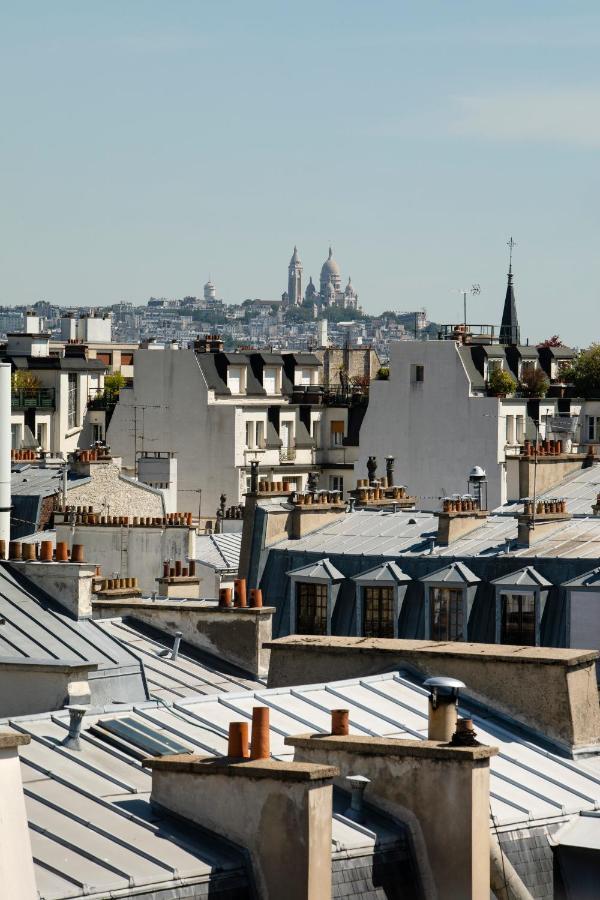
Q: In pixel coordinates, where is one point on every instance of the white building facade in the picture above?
(219, 412)
(435, 416)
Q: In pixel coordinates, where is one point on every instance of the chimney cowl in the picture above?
(443, 687)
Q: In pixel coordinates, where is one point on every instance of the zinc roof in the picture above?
(35, 627)
(94, 831)
(191, 673)
(222, 551)
(579, 490)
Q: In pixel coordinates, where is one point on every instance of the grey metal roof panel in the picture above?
(108, 791)
(222, 551)
(587, 580)
(582, 832)
(172, 679)
(305, 359)
(36, 628)
(474, 375)
(579, 490)
(526, 577)
(323, 569)
(386, 572)
(455, 573)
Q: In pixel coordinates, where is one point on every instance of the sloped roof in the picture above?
(456, 573)
(387, 572)
(587, 580)
(526, 577)
(108, 789)
(192, 673)
(222, 551)
(322, 569)
(35, 627)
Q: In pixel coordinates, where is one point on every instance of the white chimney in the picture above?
(17, 875)
(5, 442)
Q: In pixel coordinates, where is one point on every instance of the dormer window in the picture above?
(313, 593)
(449, 596)
(236, 379)
(380, 595)
(272, 379)
(519, 606)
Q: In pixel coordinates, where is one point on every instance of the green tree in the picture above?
(584, 373)
(501, 382)
(23, 380)
(112, 386)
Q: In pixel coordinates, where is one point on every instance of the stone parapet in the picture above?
(551, 691)
(236, 635)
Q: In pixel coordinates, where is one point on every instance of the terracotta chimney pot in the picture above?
(28, 551)
(340, 721)
(260, 742)
(77, 553)
(237, 745)
(256, 598)
(225, 597)
(240, 592)
(46, 550)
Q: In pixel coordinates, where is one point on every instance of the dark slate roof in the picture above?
(305, 359)
(455, 573)
(509, 328)
(526, 577)
(214, 368)
(469, 357)
(64, 363)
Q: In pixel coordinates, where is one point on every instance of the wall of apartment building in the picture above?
(433, 428)
(57, 436)
(168, 408)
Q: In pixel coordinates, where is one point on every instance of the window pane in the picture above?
(311, 608)
(378, 612)
(446, 614)
(518, 619)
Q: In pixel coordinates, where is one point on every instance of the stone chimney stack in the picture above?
(279, 811)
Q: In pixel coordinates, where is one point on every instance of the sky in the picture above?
(147, 145)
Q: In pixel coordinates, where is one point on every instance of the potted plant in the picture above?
(383, 373)
(501, 383)
(534, 383)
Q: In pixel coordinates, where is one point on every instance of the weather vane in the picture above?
(510, 244)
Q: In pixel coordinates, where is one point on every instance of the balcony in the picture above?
(33, 398)
(287, 455)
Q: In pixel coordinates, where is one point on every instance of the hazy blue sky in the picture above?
(146, 144)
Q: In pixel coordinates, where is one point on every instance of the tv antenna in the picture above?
(474, 290)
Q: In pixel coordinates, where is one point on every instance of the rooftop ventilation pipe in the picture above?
(176, 643)
(76, 714)
(357, 784)
(5, 442)
(443, 702)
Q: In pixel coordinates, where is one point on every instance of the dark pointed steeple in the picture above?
(509, 329)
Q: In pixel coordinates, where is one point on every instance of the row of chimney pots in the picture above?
(178, 570)
(460, 504)
(44, 551)
(85, 515)
(237, 597)
(544, 507)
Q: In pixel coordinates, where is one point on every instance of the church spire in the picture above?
(509, 329)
